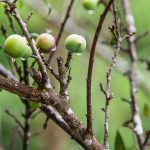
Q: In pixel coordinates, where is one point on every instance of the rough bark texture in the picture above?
(136, 119)
(52, 98)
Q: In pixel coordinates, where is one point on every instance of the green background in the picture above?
(53, 138)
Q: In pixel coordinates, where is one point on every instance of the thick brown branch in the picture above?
(56, 117)
(90, 67)
(52, 98)
(22, 90)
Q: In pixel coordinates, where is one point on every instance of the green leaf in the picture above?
(119, 144)
(34, 105)
(146, 110)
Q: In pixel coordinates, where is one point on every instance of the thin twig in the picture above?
(126, 100)
(26, 73)
(4, 31)
(26, 131)
(68, 61)
(67, 15)
(141, 36)
(6, 73)
(138, 129)
(128, 124)
(46, 122)
(11, 23)
(50, 68)
(90, 67)
(33, 64)
(147, 61)
(29, 17)
(28, 111)
(19, 71)
(14, 118)
(15, 13)
(147, 138)
(115, 29)
(56, 117)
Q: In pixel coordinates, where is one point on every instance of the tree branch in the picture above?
(26, 130)
(22, 90)
(115, 30)
(53, 99)
(67, 15)
(56, 117)
(15, 118)
(10, 20)
(22, 24)
(6, 73)
(90, 68)
(138, 129)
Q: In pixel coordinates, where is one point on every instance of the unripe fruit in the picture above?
(90, 4)
(15, 46)
(46, 43)
(28, 53)
(28, 50)
(75, 43)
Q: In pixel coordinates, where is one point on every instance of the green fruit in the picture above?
(28, 50)
(46, 43)
(90, 4)
(75, 43)
(15, 46)
(28, 53)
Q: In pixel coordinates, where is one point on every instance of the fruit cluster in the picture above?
(17, 46)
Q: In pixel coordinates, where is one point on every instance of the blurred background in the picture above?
(84, 23)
